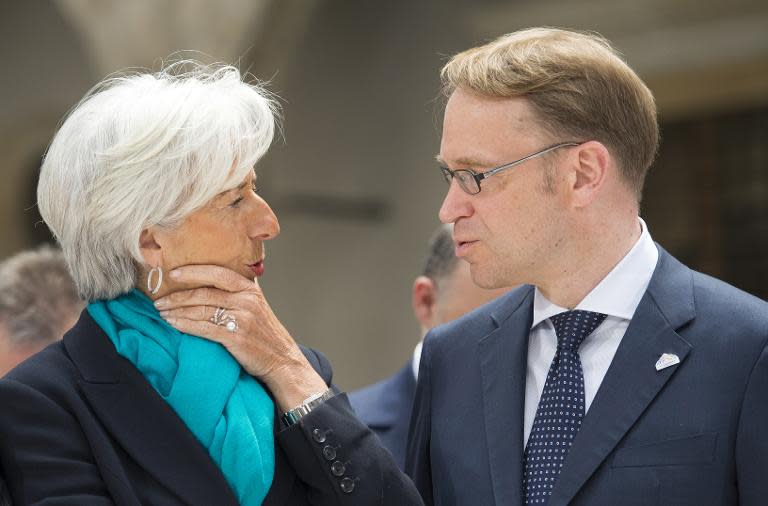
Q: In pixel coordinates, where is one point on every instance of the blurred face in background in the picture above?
(458, 294)
(12, 354)
(440, 301)
(9, 355)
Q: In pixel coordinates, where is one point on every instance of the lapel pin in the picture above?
(667, 360)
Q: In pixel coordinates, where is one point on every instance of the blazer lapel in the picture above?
(632, 380)
(503, 358)
(141, 422)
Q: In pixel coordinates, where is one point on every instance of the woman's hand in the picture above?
(261, 344)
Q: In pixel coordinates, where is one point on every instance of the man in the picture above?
(620, 377)
(38, 304)
(442, 293)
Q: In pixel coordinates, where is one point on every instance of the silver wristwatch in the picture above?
(291, 417)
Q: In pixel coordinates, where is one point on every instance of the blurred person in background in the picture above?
(178, 385)
(443, 292)
(38, 303)
(615, 374)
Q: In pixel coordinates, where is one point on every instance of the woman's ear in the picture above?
(150, 248)
(589, 172)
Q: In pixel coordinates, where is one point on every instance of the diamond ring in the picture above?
(221, 318)
(218, 316)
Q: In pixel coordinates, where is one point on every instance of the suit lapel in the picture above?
(141, 422)
(632, 381)
(503, 357)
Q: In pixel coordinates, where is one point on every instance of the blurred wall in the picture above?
(354, 183)
(44, 73)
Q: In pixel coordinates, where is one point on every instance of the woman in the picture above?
(178, 385)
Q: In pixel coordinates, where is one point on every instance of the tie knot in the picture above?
(572, 327)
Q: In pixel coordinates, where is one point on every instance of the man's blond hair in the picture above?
(578, 87)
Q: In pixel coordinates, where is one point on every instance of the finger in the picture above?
(202, 329)
(211, 275)
(205, 296)
(191, 312)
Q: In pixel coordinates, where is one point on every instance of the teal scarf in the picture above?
(226, 409)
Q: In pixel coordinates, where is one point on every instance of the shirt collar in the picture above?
(619, 293)
(416, 359)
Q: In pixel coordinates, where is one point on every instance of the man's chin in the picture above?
(483, 277)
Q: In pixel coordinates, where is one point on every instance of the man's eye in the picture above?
(236, 202)
(254, 187)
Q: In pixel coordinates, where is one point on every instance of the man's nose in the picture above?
(456, 204)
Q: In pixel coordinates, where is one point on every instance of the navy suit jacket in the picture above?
(80, 425)
(695, 433)
(386, 408)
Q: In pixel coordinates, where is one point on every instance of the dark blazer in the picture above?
(693, 434)
(80, 425)
(386, 408)
(5, 499)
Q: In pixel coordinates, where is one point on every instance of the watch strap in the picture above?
(292, 416)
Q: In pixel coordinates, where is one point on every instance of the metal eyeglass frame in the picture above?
(449, 174)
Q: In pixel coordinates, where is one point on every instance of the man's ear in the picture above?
(423, 299)
(589, 172)
(150, 248)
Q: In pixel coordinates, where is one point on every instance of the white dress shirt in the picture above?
(417, 359)
(617, 296)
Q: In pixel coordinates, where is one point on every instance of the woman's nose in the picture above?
(264, 225)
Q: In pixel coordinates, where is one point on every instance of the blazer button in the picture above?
(329, 452)
(347, 485)
(338, 468)
(319, 435)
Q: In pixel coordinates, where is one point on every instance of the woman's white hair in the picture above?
(147, 149)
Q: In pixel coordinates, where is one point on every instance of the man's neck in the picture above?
(592, 257)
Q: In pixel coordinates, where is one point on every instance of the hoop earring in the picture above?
(156, 288)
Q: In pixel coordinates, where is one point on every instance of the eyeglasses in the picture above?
(469, 180)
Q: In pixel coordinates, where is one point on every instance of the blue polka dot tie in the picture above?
(561, 407)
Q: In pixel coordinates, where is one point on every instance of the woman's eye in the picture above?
(238, 200)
